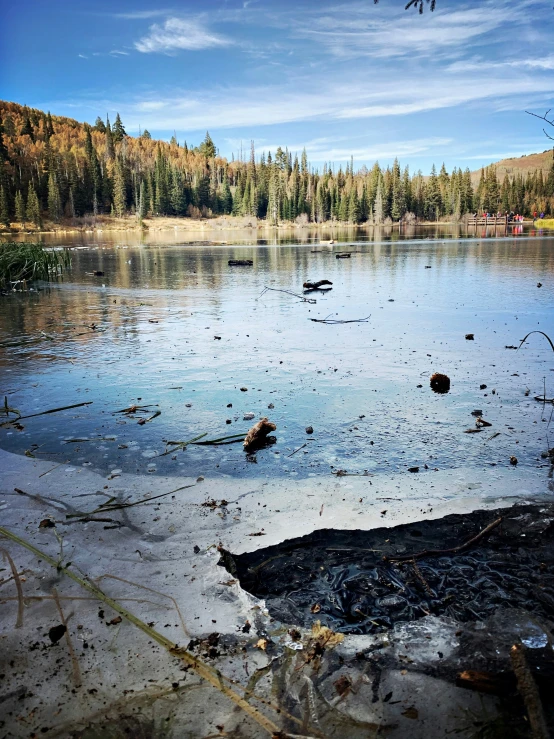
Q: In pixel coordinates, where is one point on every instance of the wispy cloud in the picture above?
(352, 31)
(143, 14)
(482, 65)
(82, 56)
(117, 52)
(328, 99)
(178, 34)
(325, 149)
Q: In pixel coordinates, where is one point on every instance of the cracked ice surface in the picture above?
(120, 679)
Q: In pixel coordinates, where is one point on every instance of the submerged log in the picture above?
(258, 433)
(316, 285)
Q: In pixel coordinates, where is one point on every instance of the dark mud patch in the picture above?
(349, 581)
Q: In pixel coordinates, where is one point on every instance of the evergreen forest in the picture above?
(54, 168)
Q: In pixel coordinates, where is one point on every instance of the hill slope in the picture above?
(523, 165)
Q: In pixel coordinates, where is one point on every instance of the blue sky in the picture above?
(341, 79)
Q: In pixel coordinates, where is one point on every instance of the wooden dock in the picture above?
(490, 221)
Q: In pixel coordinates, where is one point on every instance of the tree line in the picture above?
(56, 168)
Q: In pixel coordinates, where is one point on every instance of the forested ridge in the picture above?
(55, 168)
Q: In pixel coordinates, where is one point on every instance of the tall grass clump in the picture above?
(23, 262)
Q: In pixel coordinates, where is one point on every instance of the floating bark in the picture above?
(316, 285)
(440, 383)
(481, 422)
(240, 262)
(346, 255)
(258, 433)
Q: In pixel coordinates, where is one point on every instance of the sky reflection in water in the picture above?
(159, 308)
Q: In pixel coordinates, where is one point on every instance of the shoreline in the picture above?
(218, 223)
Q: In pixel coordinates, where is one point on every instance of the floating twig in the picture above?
(296, 450)
(15, 575)
(222, 440)
(536, 332)
(76, 669)
(8, 409)
(135, 408)
(52, 410)
(454, 550)
(94, 438)
(288, 292)
(333, 320)
(111, 506)
(142, 421)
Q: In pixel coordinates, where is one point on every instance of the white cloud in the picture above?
(82, 56)
(179, 34)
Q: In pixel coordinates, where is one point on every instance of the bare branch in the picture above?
(544, 118)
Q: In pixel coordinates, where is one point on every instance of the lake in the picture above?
(172, 327)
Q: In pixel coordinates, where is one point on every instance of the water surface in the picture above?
(173, 326)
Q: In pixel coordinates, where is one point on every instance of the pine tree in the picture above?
(33, 207)
(119, 189)
(27, 128)
(378, 210)
(207, 147)
(203, 192)
(467, 192)
(110, 150)
(54, 200)
(4, 207)
(227, 198)
(3, 148)
(433, 196)
(19, 208)
(275, 196)
(49, 125)
(118, 131)
(343, 207)
(353, 207)
(176, 196)
(70, 207)
(141, 209)
(99, 125)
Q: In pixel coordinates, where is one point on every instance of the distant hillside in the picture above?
(523, 165)
(56, 170)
